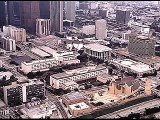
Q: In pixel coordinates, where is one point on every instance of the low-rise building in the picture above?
(129, 65)
(76, 75)
(64, 57)
(38, 109)
(69, 85)
(73, 98)
(98, 51)
(79, 109)
(76, 103)
(38, 65)
(88, 29)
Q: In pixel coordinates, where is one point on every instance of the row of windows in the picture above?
(82, 76)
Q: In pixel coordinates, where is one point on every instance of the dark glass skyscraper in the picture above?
(122, 16)
(44, 7)
(2, 14)
(56, 16)
(29, 12)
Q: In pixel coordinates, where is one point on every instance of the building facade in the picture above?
(56, 16)
(43, 27)
(57, 80)
(14, 13)
(98, 51)
(38, 65)
(142, 46)
(88, 29)
(127, 86)
(18, 34)
(71, 11)
(29, 12)
(101, 30)
(8, 44)
(3, 14)
(23, 92)
(122, 16)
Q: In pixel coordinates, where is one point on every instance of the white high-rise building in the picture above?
(8, 44)
(101, 30)
(18, 34)
(71, 10)
(43, 27)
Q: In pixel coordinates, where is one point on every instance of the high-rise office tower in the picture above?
(71, 10)
(2, 14)
(28, 14)
(44, 7)
(14, 12)
(43, 27)
(141, 46)
(56, 16)
(122, 16)
(101, 30)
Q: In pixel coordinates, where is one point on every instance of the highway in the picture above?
(135, 108)
(58, 104)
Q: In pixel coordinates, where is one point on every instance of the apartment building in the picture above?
(43, 27)
(20, 92)
(18, 34)
(8, 44)
(57, 80)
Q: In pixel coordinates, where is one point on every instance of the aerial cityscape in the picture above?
(79, 59)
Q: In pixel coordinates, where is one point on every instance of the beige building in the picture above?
(79, 74)
(132, 66)
(127, 86)
(101, 30)
(148, 87)
(43, 27)
(98, 51)
(69, 85)
(8, 44)
(38, 65)
(65, 57)
(18, 34)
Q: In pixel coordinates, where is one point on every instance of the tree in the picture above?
(13, 78)
(110, 71)
(31, 75)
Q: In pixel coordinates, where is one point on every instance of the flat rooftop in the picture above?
(77, 71)
(40, 52)
(136, 66)
(97, 47)
(79, 106)
(74, 96)
(48, 49)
